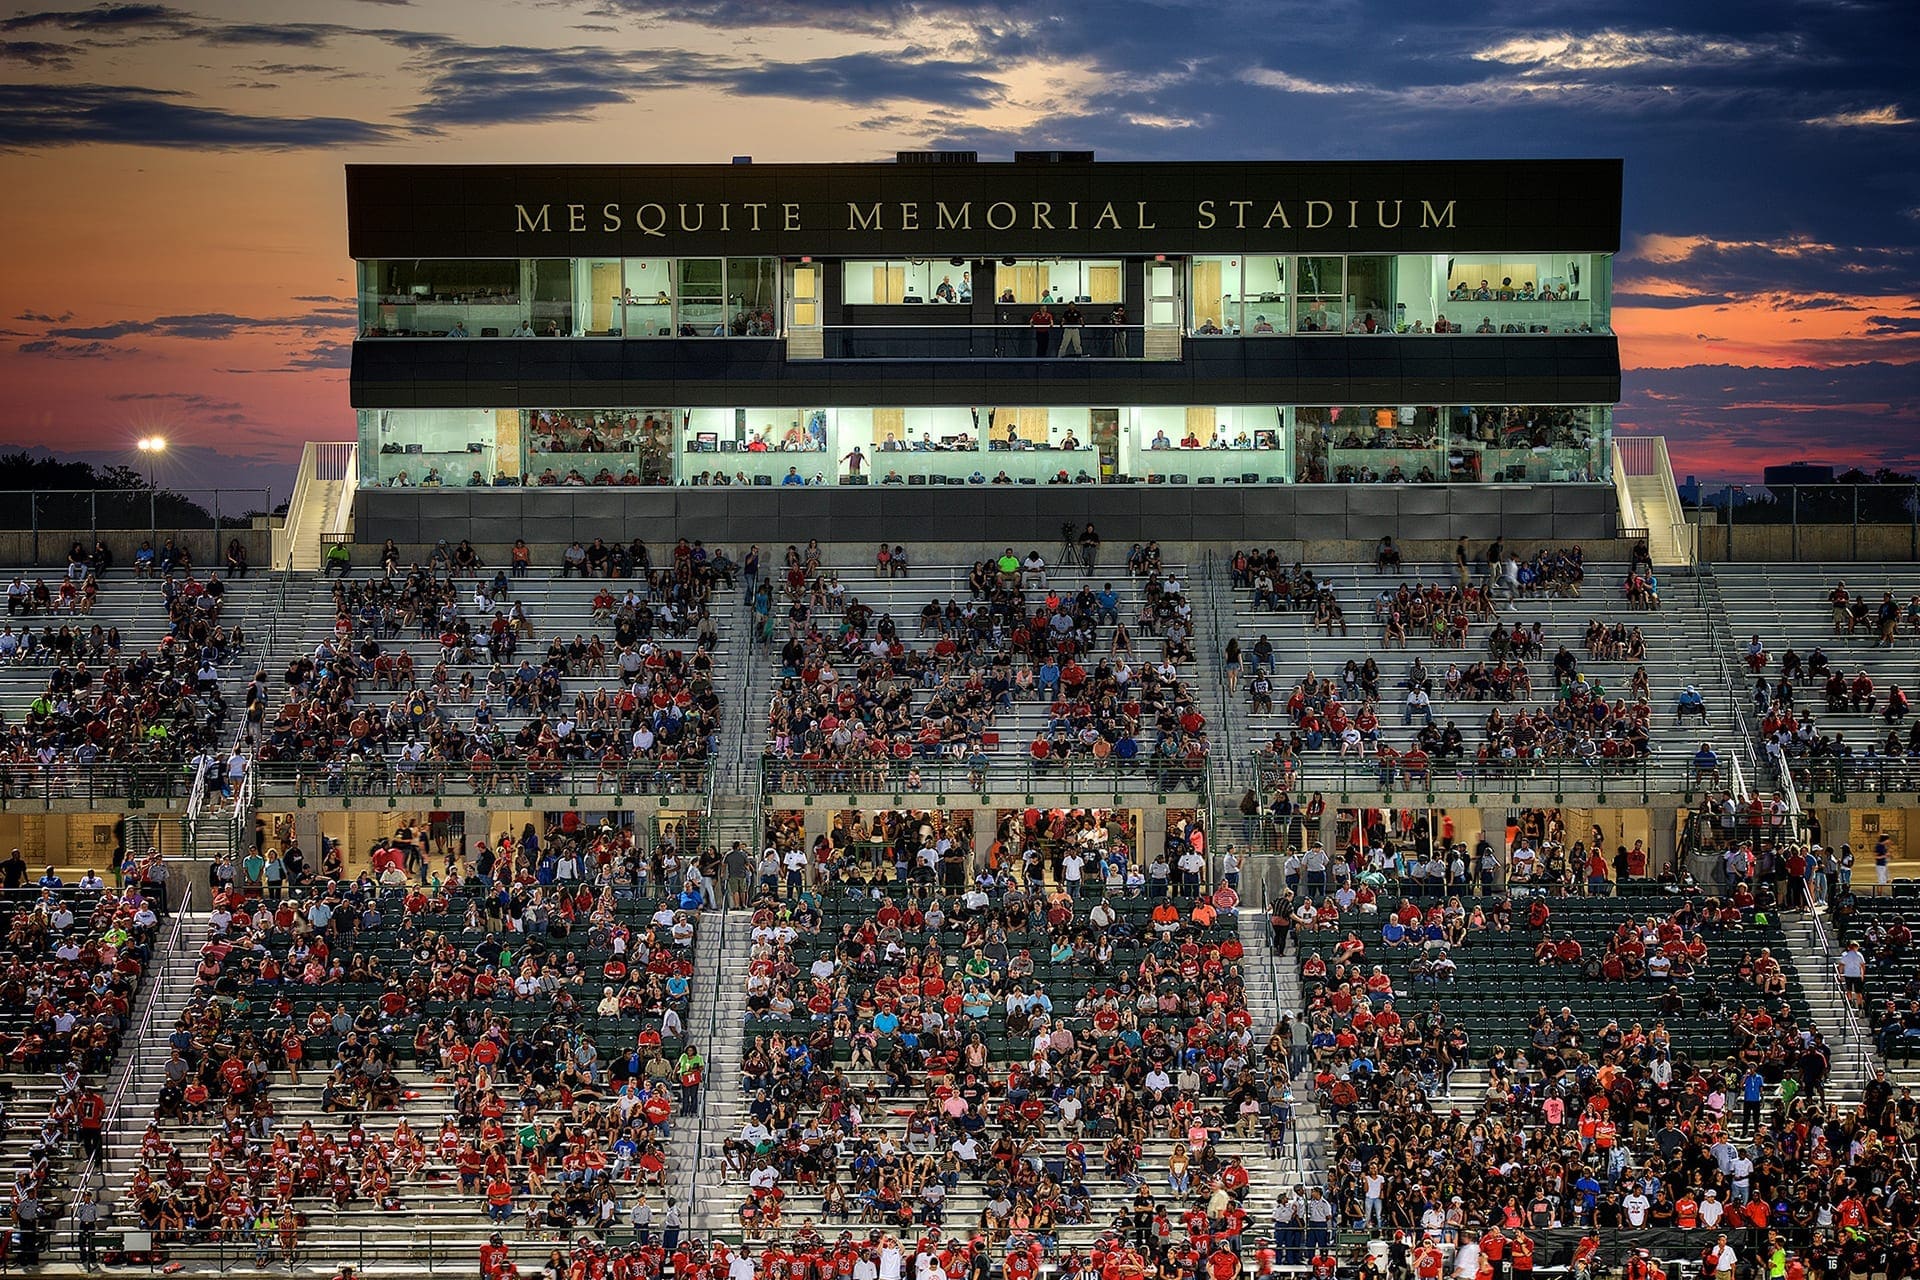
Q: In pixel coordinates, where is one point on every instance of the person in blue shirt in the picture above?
(1587, 1195)
(1705, 760)
(793, 476)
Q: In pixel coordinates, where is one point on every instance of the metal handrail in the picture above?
(503, 778)
(937, 777)
(1352, 774)
(1858, 1041)
(134, 784)
(1840, 775)
(1720, 640)
(141, 1063)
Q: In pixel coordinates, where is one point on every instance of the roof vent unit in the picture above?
(1053, 157)
(936, 157)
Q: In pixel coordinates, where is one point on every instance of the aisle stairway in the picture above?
(715, 1207)
(1814, 967)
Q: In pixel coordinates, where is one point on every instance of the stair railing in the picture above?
(140, 1075)
(1856, 1040)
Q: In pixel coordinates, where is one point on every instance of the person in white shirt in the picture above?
(1721, 1259)
(1711, 1210)
(1635, 1206)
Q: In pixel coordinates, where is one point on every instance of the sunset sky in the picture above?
(175, 225)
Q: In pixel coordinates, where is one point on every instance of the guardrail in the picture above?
(980, 342)
(935, 778)
(149, 509)
(142, 1067)
(133, 785)
(1346, 775)
(1857, 1039)
(379, 778)
(1839, 778)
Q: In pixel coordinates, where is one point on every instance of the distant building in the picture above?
(1793, 473)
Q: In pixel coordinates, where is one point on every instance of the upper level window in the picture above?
(1058, 280)
(904, 282)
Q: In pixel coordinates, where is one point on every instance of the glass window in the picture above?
(432, 448)
(1061, 280)
(701, 295)
(1516, 444)
(439, 297)
(1529, 293)
(870, 283)
(1369, 294)
(1369, 445)
(1321, 294)
(753, 297)
(1419, 291)
(1264, 294)
(647, 291)
(597, 289)
(720, 446)
(1206, 444)
(547, 284)
(598, 446)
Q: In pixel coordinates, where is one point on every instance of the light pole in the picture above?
(152, 447)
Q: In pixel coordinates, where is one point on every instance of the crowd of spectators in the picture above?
(70, 969)
(857, 691)
(1611, 1129)
(653, 714)
(1792, 691)
(534, 993)
(1021, 1049)
(160, 706)
(1586, 723)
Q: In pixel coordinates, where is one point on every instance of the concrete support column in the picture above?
(1664, 848)
(1153, 831)
(984, 821)
(306, 833)
(814, 824)
(1493, 829)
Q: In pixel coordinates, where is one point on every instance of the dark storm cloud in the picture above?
(35, 116)
(194, 400)
(1794, 265)
(60, 350)
(870, 77)
(101, 18)
(43, 54)
(474, 85)
(206, 326)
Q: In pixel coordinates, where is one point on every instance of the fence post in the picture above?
(1856, 522)
(216, 524)
(1795, 491)
(153, 511)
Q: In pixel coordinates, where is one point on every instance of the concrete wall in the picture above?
(206, 546)
(1738, 543)
(1220, 515)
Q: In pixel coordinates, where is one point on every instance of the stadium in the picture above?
(1023, 718)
